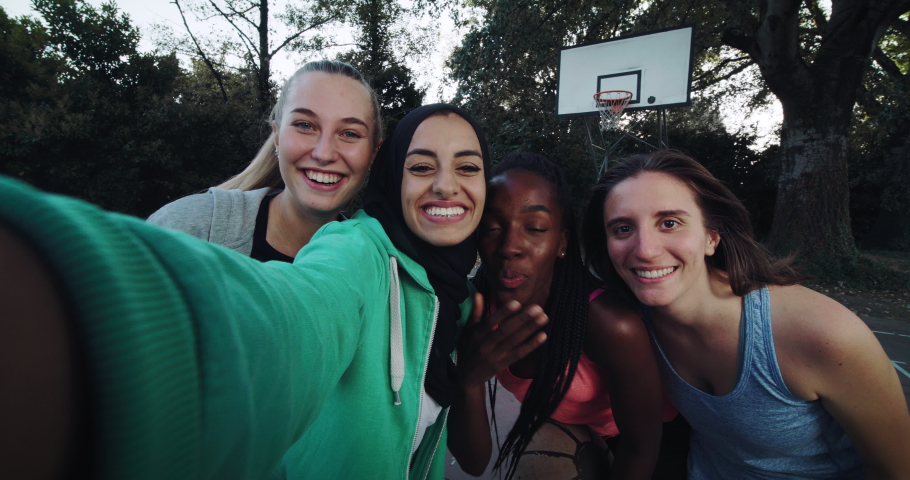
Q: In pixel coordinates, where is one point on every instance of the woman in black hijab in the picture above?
(447, 267)
(188, 360)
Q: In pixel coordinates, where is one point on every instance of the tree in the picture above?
(814, 64)
(880, 147)
(375, 58)
(23, 63)
(100, 121)
(64, 130)
(251, 22)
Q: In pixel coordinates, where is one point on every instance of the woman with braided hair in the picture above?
(596, 374)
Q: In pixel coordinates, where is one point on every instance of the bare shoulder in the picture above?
(612, 318)
(617, 340)
(827, 353)
(814, 336)
(809, 315)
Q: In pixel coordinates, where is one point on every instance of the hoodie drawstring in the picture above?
(396, 350)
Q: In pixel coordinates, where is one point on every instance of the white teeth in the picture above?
(444, 212)
(654, 273)
(321, 177)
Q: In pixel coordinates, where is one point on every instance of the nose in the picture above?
(325, 151)
(510, 243)
(647, 245)
(446, 185)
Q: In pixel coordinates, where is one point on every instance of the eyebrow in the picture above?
(672, 213)
(468, 153)
(528, 209)
(430, 153)
(354, 120)
(422, 151)
(662, 213)
(535, 208)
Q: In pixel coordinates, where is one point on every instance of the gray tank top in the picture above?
(760, 429)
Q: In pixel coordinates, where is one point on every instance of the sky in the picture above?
(145, 14)
(428, 67)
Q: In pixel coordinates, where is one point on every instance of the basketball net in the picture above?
(610, 104)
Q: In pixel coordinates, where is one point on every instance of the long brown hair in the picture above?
(746, 263)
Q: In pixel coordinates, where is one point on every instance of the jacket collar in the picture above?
(406, 263)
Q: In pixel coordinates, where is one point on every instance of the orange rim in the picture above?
(616, 104)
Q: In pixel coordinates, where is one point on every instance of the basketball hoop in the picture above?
(610, 104)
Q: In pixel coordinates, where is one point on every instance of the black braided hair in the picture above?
(567, 308)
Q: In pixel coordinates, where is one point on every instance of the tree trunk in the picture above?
(264, 72)
(812, 212)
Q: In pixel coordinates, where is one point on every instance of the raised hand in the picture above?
(507, 335)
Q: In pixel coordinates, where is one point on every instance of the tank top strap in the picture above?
(757, 341)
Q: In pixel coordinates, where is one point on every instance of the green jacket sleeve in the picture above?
(203, 363)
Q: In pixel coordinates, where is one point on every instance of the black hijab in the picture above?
(447, 267)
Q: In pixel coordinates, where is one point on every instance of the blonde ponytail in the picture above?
(260, 173)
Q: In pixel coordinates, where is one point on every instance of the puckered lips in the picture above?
(444, 212)
(324, 180)
(510, 279)
(652, 274)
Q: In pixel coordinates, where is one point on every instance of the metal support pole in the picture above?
(663, 139)
(590, 142)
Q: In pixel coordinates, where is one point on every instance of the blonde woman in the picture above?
(326, 130)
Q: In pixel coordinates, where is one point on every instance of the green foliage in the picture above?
(124, 130)
(90, 41)
(880, 150)
(861, 272)
(23, 61)
(84, 113)
(375, 58)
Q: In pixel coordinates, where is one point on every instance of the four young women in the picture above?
(167, 357)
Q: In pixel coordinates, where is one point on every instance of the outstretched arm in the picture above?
(826, 352)
(193, 353)
(488, 345)
(617, 340)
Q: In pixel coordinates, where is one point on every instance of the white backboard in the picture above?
(655, 66)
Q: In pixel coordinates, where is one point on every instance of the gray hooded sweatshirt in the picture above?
(225, 217)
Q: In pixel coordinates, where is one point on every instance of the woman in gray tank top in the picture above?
(776, 380)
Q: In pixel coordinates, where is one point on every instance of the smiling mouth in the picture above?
(663, 272)
(323, 177)
(444, 211)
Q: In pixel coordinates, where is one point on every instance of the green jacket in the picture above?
(361, 433)
(203, 363)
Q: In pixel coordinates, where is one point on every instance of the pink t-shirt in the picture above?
(588, 400)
